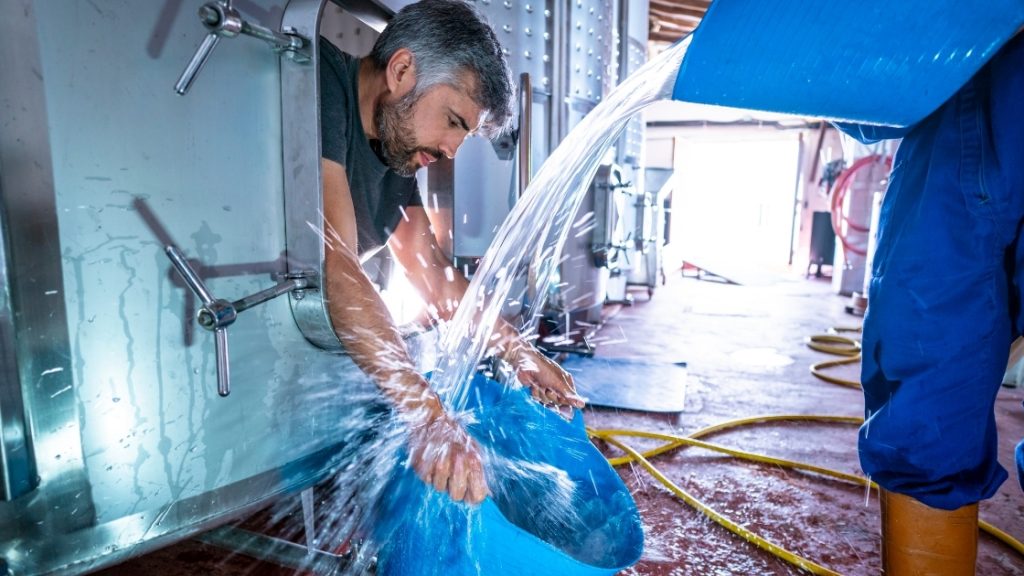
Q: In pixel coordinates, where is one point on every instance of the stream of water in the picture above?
(529, 243)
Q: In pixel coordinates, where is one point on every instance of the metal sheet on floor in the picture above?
(631, 384)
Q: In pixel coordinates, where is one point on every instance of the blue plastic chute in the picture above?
(531, 524)
(871, 61)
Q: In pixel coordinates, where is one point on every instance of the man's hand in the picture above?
(547, 381)
(445, 456)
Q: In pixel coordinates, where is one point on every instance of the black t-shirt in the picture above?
(378, 193)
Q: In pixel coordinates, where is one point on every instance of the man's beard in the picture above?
(395, 130)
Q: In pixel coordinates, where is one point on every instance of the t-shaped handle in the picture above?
(215, 315)
(222, 20)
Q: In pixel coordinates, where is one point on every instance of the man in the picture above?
(944, 305)
(435, 76)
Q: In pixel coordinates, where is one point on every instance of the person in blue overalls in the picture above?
(944, 306)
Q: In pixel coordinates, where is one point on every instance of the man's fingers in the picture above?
(457, 483)
(575, 400)
(476, 484)
(442, 471)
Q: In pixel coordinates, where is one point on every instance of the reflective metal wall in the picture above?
(101, 166)
(483, 181)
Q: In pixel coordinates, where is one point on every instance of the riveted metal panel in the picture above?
(592, 49)
(484, 177)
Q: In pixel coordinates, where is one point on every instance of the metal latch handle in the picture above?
(217, 314)
(221, 19)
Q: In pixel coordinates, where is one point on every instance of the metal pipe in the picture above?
(525, 130)
(223, 362)
(196, 64)
(189, 274)
(282, 41)
(271, 293)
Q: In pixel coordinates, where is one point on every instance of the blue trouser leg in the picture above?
(944, 296)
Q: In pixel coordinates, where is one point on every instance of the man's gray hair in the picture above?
(448, 38)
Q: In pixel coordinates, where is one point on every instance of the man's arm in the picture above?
(442, 287)
(441, 451)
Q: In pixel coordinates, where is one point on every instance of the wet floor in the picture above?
(746, 356)
(745, 349)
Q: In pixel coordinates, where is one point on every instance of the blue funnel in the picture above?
(871, 61)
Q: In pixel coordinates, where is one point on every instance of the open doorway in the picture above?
(733, 206)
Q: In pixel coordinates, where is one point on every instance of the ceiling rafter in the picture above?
(670, 20)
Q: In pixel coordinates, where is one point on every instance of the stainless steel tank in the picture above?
(116, 438)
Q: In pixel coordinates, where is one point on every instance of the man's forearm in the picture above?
(366, 330)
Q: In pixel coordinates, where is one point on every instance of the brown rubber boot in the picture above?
(918, 540)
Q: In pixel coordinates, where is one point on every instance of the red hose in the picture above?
(839, 191)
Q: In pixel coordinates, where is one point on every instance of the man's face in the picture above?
(417, 131)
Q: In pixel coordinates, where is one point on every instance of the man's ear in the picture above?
(401, 72)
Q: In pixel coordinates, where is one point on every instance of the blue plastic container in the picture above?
(873, 61)
(557, 507)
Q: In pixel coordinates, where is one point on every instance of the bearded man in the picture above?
(435, 76)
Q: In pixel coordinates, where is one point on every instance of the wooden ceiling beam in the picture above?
(669, 7)
(659, 17)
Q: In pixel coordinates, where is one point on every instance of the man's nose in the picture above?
(451, 145)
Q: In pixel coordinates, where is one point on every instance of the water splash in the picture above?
(530, 241)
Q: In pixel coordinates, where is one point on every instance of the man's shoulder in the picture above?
(329, 53)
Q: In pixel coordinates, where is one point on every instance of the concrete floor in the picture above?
(746, 354)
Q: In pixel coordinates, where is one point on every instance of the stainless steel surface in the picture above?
(303, 182)
(591, 48)
(370, 12)
(35, 276)
(17, 461)
(525, 131)
(631, 146)
(308, 518)
(484, 180)
(523, 29)
(132, 447)
(92, 548)
(349, 32)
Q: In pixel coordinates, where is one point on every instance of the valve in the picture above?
(222, 20)
(217, 314)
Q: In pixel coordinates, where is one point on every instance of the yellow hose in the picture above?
(829, 343)
(836, 345)
(673, 442)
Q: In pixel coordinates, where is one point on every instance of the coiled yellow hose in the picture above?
(836, 345)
